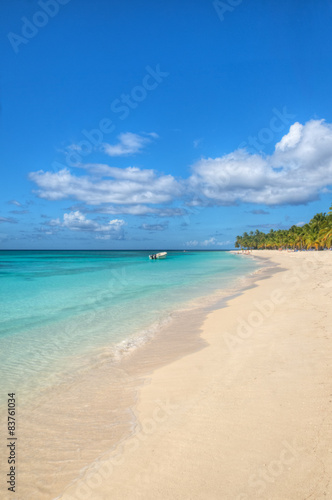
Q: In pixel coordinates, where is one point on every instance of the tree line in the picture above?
(317, 234)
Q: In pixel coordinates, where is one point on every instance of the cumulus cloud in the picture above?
(291, 139)
(128, 144)
(127, 186)
(297, 172)
(76, 221)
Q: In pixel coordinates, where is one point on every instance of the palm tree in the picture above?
(325, 233)
(239, 242)
(316, 234)
(245, 240)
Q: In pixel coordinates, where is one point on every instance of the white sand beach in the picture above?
(248, 415)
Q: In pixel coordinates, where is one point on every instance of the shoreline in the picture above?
(245, 417)
(103, 393)
(59, 333)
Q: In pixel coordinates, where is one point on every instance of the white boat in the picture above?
(160, 255)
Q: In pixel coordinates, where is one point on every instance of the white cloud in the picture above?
(297, 172)
(211, 241)
(128, 186)
(300, 224)
(103, 237)
(214, 242)
(54, 222)
(192, 243)
(76, 221)
(291, 139)
(129, 173)
(116, 223)
(129, 209)
(128, 144)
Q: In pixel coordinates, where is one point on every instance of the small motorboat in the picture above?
(160, 255)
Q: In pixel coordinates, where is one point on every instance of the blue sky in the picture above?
(162, 124)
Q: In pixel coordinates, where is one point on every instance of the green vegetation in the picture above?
(317, 234)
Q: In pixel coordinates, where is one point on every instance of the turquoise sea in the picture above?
(61, 310)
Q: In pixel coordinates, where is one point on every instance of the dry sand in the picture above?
(246, 417)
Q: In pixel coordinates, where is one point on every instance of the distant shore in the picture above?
(248, 415)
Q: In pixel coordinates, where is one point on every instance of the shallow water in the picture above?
(70, 328)
(58, 308)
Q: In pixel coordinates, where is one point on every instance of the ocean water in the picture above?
(62, 310)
